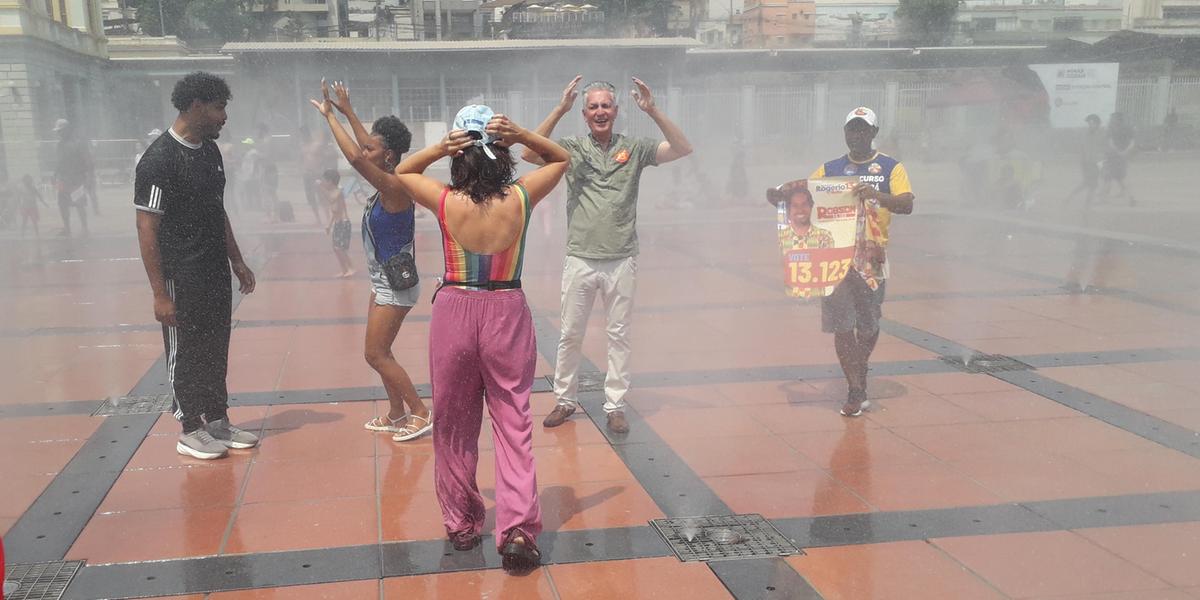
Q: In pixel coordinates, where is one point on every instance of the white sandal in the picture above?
(408, 433)
(376, 424)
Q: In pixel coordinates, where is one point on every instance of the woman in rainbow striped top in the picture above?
(481, 333)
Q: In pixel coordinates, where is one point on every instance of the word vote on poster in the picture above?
(817, 225)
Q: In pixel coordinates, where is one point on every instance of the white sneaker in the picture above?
(200, 444)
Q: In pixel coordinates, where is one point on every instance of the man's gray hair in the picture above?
(601, 85)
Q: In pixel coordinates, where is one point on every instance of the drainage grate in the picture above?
(589, 381)
(135, 405)
(40, 581)
(986, 363)
(728, 537)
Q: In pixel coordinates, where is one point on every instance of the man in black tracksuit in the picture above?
(188, 250)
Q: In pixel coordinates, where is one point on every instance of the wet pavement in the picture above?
(1076, 475)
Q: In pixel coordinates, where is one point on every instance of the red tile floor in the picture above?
(728, 383)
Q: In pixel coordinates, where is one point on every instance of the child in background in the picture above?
(28, 198)
(339, 224)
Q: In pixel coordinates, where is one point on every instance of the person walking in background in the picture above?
(188, 250)
(1091, 153)
(28, 197)
(388, 227)
(1119, 148)
(72, 168)
(1169, 131)
(316, 157)
(602, 245)
(482, 346)
(852, 312)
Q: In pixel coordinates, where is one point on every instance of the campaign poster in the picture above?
(1078, 90)
(817, 225)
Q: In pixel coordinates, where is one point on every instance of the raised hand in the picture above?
(570, 93)
(343, 97)
(642, 95)
(324, 106)
(455, 142)
(505, 132)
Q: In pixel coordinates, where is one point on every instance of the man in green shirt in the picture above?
(602, 245)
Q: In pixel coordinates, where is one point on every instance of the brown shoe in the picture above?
(558, 415)
(519, 554)
(617, 422)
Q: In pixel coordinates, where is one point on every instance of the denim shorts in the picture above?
(384, 294)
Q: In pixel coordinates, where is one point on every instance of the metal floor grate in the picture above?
(135, 405)
(589, 381)
(727, 537)
(986, 363)
(41, 581)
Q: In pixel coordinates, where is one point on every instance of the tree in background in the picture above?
(927, 22)
(172, 11)
(208, 20)
(637, 18)
(225, 20)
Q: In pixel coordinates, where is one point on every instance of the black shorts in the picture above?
(1091, 173)
(341, 235)
(1114, 168)
(853, 305)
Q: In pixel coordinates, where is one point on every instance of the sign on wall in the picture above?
(1078, 90)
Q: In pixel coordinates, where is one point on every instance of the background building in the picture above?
(52, 56)
(1163, 16)
(778, 23)
(855, 23)
(1037, 21)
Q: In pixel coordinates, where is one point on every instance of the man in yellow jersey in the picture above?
(852, 312)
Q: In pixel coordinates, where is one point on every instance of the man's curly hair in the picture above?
(201, 86)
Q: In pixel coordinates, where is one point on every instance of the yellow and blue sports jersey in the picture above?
(883, 172)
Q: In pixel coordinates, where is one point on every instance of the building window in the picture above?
(1181, 12)
(984, 24)
(1068, 24)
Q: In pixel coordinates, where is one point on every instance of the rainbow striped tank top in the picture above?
(465, 268)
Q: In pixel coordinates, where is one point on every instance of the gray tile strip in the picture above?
(666, 477)
(49, 409)
(1109, 357)
(1116, 414)
(659, 379)
(1120, 511)
(765, 578)
(879, 527)
(1024, 517)
(672, 484)
(327, 565)
(50, 526)
(219, 573)
(744, 579)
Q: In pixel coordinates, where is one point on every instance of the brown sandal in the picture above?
(520, 555)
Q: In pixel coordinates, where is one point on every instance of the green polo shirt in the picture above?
(602, 192)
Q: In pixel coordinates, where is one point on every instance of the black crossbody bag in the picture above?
(400, 269)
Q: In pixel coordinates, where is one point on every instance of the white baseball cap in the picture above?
(865, 114)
